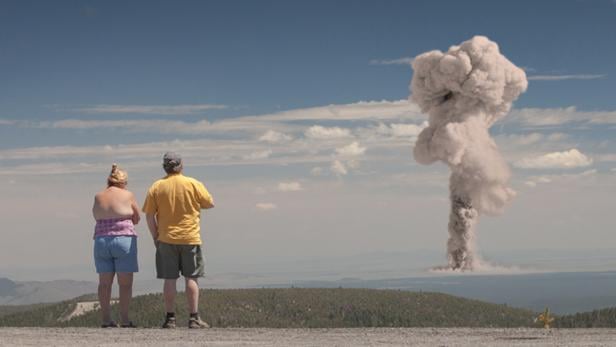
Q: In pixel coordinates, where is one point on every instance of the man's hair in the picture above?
(172, 163)
(173, 170)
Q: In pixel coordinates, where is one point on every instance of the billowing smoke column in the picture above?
(465, 91)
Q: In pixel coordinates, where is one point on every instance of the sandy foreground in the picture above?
(306, 337)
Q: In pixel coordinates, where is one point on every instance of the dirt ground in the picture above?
(306, 337)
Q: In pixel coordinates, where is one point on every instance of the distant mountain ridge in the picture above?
(34, 292)
(562, 292)
(7, 287)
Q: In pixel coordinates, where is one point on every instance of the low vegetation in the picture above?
(604, 318)
(10, 309)
(302, 308)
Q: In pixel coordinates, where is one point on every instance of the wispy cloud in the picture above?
(542, 117)
(318, 132)
(149, 109)
(136, 125)
(290, 186)
(278, 123)
(400, 130)
(564, 77)
(398, 61)
(266, 206)
(259, 155)
(556, 160)
(533, 181)
(351, 150)
(272, 136)
(384, 109)
(338, 168)
(397, 113)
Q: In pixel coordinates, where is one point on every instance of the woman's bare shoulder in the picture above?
(99, 195)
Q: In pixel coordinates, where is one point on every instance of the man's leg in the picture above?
(105, 281)
(192, 294)
(125, 282)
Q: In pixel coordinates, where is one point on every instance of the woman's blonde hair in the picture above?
(117, 176)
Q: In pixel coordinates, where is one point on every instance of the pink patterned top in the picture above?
(114, 227)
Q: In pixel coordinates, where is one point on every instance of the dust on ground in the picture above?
(306, 337)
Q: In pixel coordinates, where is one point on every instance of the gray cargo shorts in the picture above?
(173, 259)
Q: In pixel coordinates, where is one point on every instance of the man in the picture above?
(172, 207)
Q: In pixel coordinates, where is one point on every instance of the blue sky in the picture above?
(296, 116)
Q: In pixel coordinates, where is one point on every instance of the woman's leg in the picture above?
(125, 281)
(105, 281)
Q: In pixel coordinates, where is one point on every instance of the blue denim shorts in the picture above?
(115, 254)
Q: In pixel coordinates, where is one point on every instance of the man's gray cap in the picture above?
(172, 160)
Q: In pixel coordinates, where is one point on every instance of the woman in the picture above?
(115, 244)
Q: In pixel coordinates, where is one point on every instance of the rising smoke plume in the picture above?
(464, 91)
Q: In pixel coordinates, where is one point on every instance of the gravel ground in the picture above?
(306, 337)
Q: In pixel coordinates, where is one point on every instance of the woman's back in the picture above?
(113, 202)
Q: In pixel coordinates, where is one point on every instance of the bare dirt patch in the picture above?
(306, 337)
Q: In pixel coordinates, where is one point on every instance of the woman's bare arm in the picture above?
(133, 204)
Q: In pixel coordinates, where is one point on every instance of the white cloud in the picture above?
(7, 122)
(556, 160)
(137, 125)
(279, 122)
(272, 136)
(398, 61)
(400, 129)
(289, 186)
(564, 77)
(266, 206)
(525, 139)
(542, 117)
(316, 171)
(150, 109)
(401, 110)
(322, 133)
(351, 150)
(555, 137)
(258, 155)
(533, 181)
(338, 168)
(385, 109)
(260, 190)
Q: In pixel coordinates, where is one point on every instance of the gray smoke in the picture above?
(464, 91)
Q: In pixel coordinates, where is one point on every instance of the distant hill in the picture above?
(562, 292)
(300, 308)
(33, 292)
(7, 287)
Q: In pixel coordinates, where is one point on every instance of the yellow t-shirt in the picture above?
(177, 200)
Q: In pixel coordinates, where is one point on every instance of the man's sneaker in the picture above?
(197, 323)
(169, 323)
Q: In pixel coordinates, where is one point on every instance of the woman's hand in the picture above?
(136, 218)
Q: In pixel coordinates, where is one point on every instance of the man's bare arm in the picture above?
(153, 226)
